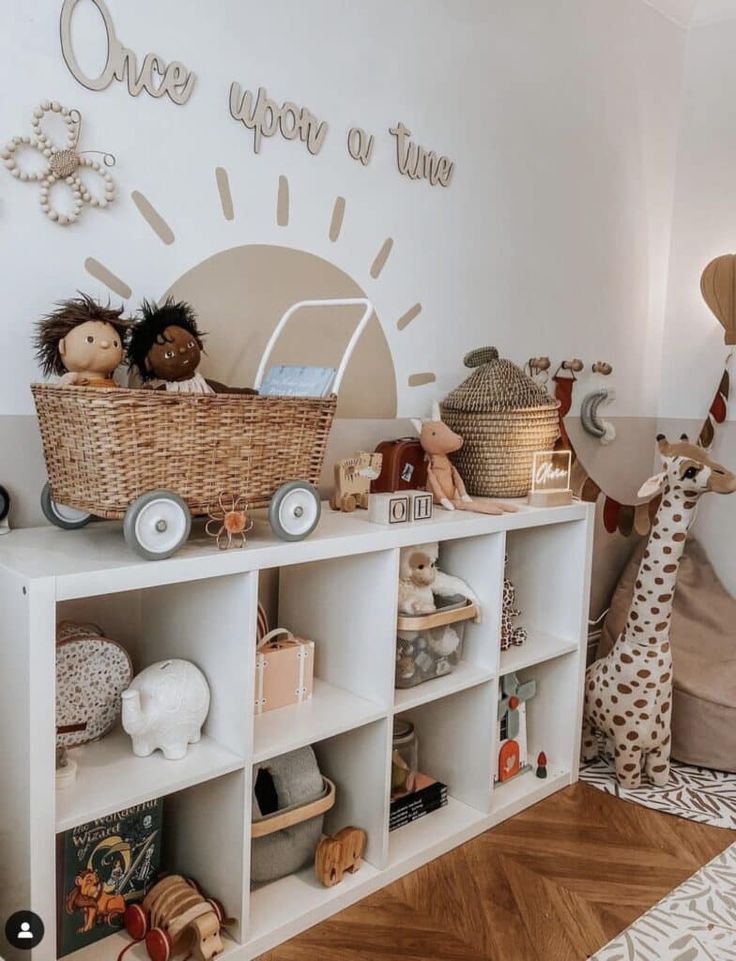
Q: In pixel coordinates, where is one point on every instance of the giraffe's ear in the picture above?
(651, 487)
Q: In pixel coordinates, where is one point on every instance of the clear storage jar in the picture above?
(404, 757)
(431, 645)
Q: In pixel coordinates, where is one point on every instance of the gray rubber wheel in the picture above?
(4, 503)
(67, 518)
(294, 511)
(157, 524)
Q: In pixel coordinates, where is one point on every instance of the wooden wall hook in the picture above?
(538, 365)
(575, 365)
(602, 367)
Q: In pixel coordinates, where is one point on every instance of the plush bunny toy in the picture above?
(419, 581)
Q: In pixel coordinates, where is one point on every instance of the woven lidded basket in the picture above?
(503, 417)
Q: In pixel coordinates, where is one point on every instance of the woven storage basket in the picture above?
(104, 447)
(503, 417)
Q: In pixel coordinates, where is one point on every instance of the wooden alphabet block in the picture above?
(389, 508)
(421, 505)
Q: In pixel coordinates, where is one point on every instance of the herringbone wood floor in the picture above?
(553, 884)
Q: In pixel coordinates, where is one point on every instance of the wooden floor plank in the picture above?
(554, 883)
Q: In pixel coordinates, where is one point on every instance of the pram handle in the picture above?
(336, 302)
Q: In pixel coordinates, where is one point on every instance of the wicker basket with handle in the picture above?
(104, 447)
(503, 417)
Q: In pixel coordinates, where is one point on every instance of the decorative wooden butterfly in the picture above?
(61, 164)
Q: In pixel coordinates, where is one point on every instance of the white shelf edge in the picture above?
(109, 948)
(112, 759)
(331, 711)
(464, 676)
(536, 649)
(523, 792)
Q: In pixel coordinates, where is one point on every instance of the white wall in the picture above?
(704, 226)
(561, 118)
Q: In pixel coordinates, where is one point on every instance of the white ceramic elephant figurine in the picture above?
(165, 707)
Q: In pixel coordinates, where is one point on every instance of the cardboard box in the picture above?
(284, 671)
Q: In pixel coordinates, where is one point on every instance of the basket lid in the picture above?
(496, 384)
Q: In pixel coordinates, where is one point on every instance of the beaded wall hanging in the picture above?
(61, 164)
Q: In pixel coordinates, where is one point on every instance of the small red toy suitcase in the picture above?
(403, 466)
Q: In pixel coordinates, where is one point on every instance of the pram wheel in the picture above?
(157, 524)
(294, 511)
(67, 518)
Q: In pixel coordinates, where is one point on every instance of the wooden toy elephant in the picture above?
(338, 854)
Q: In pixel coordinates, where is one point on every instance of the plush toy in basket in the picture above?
(429, 640)
(156, 458)
(82, 342)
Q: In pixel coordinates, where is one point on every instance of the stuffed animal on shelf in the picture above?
(443, 478)
(628, 693)
(165, 348)
(353, 476)
(82, 342)
(420, 580)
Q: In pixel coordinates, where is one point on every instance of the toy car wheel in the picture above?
(67, 518)
(4, 503)
(157, 524)
(158, 945)
(294, 511)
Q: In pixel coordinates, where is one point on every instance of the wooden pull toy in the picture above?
(353, 476)
(338, 854)
(176, 918)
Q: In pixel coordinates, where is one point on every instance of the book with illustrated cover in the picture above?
(288, 380)
(102, 866)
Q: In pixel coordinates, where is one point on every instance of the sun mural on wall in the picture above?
(245, 289)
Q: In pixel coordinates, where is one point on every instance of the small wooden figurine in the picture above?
(353, 476)
(338, 854)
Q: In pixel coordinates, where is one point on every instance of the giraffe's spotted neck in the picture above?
(649, 617)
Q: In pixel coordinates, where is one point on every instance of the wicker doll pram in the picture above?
(155, 459)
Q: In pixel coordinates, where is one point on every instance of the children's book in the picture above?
(287, 380)
(101, 866)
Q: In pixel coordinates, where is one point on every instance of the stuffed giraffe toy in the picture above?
(628, 693)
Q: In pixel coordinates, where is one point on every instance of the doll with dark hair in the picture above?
(82, 342)
(165, 347)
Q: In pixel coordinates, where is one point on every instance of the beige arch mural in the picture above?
(240, 294)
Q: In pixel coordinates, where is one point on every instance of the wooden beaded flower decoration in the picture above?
(61, 164)
(229, 524)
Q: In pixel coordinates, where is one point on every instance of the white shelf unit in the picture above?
(339, 588)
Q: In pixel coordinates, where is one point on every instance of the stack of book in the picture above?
(428, 795)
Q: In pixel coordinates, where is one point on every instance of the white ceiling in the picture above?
(691, 13)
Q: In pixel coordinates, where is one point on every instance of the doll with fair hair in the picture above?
(82, 342)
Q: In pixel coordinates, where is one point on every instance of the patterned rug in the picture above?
(695, 793)
(695, 922)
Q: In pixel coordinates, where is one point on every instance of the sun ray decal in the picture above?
(403, 322)
(338, 213)
(226, 197)
(282, 204)
(105, 276)
(381, 257)
(153, 218)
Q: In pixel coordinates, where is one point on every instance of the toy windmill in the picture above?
(718, 286)
(512, 750)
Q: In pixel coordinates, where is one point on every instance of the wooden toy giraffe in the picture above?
(628, 693)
